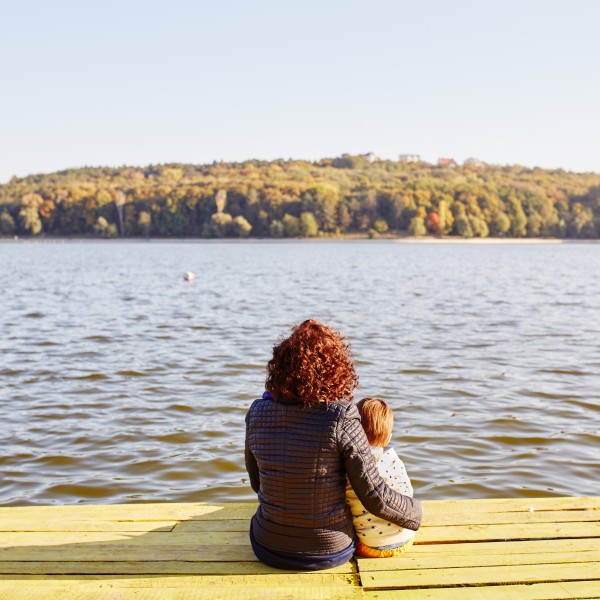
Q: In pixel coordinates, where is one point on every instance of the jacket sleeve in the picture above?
(377, 497)
(251, 465)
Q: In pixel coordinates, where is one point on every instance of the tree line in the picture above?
(347, 195)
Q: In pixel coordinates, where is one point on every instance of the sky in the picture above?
(135, 83)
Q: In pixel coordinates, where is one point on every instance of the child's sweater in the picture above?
(371, 530)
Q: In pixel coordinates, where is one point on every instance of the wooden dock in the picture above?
(539, 548)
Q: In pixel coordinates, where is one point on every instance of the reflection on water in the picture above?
(121, 382)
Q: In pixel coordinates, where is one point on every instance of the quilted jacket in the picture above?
(298, 458)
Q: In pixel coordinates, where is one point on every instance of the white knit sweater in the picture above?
(372, 530)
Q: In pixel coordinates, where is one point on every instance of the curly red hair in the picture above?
(312, 365)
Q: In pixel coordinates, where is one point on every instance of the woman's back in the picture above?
(302, 478)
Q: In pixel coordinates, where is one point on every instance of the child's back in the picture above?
(379, 538)
(371, 530)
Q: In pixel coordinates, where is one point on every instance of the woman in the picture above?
(303, 438)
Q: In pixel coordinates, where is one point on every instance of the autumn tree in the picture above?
(291, 225)
(7, 223)
(308, 225)
(29, 213)
(240, 227)
(144, 223)
(417, 227)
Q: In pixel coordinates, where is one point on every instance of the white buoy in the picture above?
(189, 276)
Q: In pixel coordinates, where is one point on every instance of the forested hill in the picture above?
(346, 195)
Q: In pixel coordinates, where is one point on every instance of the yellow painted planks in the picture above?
(53, 538)
(492, 518)
(132, 512)
(107, 591)
(280, 585)
(535, 591)
(27, 525)
(122, 552)
(440, 520)
(516, 531)
(427, 535)
(436, 512)
(452, 519)
(160, 581)
(543, 573)
(203, 551)
(511, 504)
(150, 567)
(437, 509)
(474, 560)
(519, 546)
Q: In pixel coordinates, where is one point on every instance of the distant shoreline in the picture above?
(345, 239)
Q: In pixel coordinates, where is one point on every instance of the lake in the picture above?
(121, 382)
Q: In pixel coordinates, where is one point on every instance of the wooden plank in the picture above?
(149, 567)
(491, 518)
(520, 547)
(53, 538)
(132, 512)
(243, 510)
(454, 519)
(517, 531)
(106, 591)
(535, 591)
(123, 552)
(24, 525)
(543, 573)
(427, 535)
(511, 504)
(474, 560)
(276, 578)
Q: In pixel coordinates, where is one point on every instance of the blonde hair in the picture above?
(377, 420)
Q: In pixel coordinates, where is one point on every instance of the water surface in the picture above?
(120, 382)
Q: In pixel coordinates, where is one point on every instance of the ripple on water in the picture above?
(143, 467)
(61, 460)
(575, 372)
(12, 372)
(244, 366)
(89, 377)
(85, 391)
(178, 437)
(131, 373)
(101, 339)
(74, 491)
(547, 395)
(212, 434)
(184, 408)
(594, 407)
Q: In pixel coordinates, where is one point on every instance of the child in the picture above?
(378, 538)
